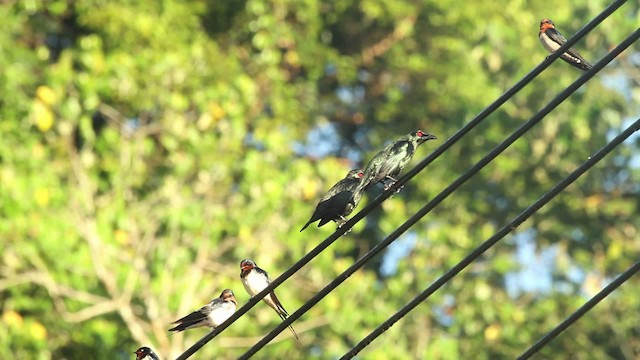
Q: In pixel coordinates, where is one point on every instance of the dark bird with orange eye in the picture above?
(339, 201)
(390, 161)
(552, 39)
(145, 351)
(211, 315)
(255, 280)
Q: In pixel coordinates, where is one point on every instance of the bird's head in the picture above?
(247, 264)
(355, 174)
(227, 294)
(142, 352)
(422, 136)
(546, 24)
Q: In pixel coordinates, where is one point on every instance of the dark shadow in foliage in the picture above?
(220, 15)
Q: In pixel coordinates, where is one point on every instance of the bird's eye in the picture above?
(360, 174)
(419, 133)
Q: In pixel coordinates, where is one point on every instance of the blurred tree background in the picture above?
(146, 147)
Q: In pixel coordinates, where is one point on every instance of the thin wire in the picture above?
(581, 311)
(443, 195)
(405, 178)
(511, 226)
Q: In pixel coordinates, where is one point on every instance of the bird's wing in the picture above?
(338, 187)
(397, 155)
(281, 310)
(556, 36)
(335, 206)
(197, 315)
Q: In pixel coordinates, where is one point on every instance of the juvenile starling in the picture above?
(389, 162)
(211, 315)
(144, 351)
(339, 201)
(552, 39)
(255, 280)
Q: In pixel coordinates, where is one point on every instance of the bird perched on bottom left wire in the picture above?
(255, 280)
(211, 315)
(145, 351)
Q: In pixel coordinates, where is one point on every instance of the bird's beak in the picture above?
(430, 137)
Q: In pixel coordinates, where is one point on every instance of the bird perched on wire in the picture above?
(339, 201)
(390, 161)
(145, 351)
(552, 39)
(255, 280)
(211, 315)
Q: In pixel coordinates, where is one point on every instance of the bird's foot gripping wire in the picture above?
(388, 185)
(340, 222)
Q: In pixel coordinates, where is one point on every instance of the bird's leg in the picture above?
(340, 222)
(387, 186)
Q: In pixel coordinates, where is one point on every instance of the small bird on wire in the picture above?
(390, 161)
(212, 314)
(255, 280)
(552, 39)
(339, 201)
(145, 351)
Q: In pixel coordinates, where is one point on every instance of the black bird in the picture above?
(211, 315)
(552, 39)
(389, 162)
(255, 280)
(339, 201)
(144, 351)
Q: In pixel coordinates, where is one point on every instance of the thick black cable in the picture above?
(444, 194)
(408, 176)
(511, 226)
(621, 279)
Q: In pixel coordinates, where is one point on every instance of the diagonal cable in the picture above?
(445, 193)
(408, 176)
(621, 279)
(494, 239)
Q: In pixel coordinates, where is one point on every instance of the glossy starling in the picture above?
(389, 162)
(339, 201)
(144, 351)
(255, 280)
(211, 315)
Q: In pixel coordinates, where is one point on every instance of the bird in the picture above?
(552, 39)
(339, 201)
(255, 280)
(212, 314)
(145, 351)
(389, 162)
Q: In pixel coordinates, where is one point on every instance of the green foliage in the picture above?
(147, 147)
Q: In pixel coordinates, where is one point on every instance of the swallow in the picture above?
(339, 201)
(144, 351)
(255, 280)
(212, 315)
(552, 39)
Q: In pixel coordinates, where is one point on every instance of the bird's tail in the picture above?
(284, 316)
(305, 225)
(585, 66)
(179, 327)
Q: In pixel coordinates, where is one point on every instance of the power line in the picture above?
(621, 279)
(548, 196)
(408, 176)
(443, 195)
